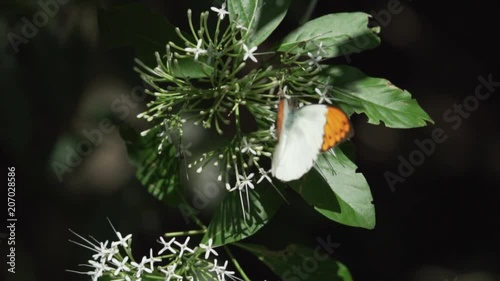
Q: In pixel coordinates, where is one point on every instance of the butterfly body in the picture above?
(303, 133)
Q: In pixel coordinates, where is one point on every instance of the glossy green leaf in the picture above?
(297, 262)
(189, 68)
(378, 98)
(339, 34)
(336, 190)
(228, 224)
(260, 17)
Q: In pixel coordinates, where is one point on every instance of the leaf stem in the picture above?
(236, 264)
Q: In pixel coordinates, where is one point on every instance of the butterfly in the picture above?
(303, 133)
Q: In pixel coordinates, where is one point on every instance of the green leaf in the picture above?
(159, 173)
(340, 34)
(378, 98)
(136, 26)
(189, 68)
(245, 12)
(336, 190)
(259, 16)
(313, 265)
(227, 223)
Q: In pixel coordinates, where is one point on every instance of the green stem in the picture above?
(155, 277)
(236, 264)
(242, 246)
(190, 21)
(308, 13)
(185, 233)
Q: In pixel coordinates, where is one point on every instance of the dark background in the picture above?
(441, 223)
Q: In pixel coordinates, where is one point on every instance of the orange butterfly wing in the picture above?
(337, 128)
(280, 117)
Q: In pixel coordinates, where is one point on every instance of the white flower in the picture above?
(272, 131)
(323, 95)
(264, 175)
(221, 271)
(166, 246)
(141, 267)
(112, 252)
(208, 248)
(183, 247)
(121, 266)
(221, 12)
(283, 93)
(245, 182)
(183, 150)
(247, 147)
(104, 253)
(321, 50)
(152, 259)
(121, 240)
(241, 26)
(314, 60)
(91, 273)
(242, 184)
(196, 51)
(98, 269)
(249, 53)
(170, 272)
(127, 278)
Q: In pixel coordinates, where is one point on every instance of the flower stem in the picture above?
(236, 264)
(185, 233)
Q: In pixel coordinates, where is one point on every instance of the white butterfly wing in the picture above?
(299, 143)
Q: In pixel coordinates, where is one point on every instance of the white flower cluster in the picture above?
(174, 261)
(222, 57)
(198, 50)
